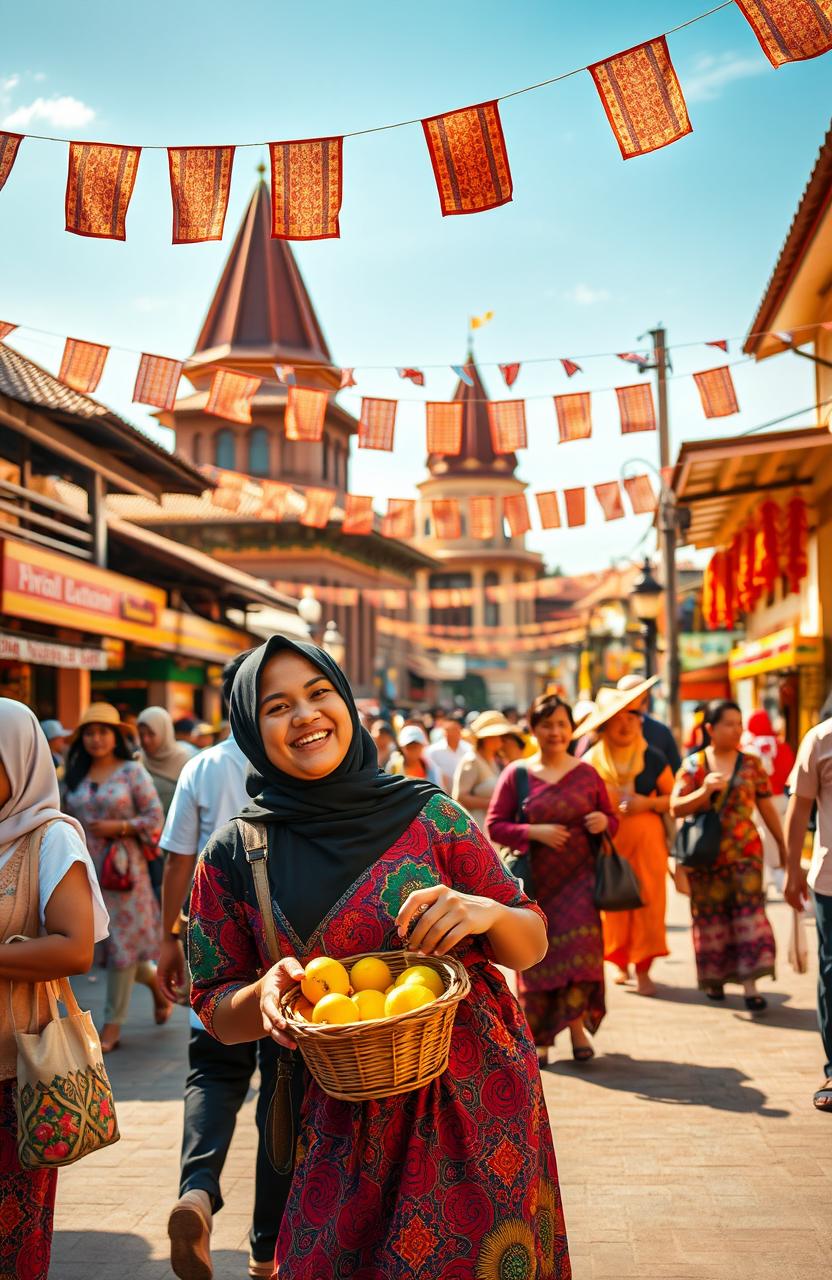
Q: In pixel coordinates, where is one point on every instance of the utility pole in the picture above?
(667, 533)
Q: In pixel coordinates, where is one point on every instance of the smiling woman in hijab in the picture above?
(49, 894)
(459, 1175)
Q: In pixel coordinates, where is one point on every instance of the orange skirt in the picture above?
(638, 937)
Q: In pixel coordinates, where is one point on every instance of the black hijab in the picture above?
(324, 833)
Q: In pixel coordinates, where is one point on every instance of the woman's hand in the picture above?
(443, 918)
(714, 783)
(106, 827)
(552, 834)
(596, 822)
(275, 982)
(634, 803)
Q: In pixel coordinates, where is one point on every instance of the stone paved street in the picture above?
(688, 1151)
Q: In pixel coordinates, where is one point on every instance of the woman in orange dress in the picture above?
(639, 782)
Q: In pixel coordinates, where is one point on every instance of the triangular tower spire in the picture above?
(477, 454)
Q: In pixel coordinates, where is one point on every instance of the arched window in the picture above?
(258, 452)
(225, 449)
(492, 607)
(196, 449)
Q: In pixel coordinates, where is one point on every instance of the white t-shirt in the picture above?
(447, 760)
(811, 778)
(60, 847)
(210, 791)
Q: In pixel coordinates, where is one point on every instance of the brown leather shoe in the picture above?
(189, 1228)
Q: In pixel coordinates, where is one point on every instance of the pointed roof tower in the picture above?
(477, 456)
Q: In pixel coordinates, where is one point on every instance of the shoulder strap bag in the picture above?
(699, 838)
(520, 864)
(616, 883)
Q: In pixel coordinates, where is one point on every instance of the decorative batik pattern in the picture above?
(200, 180)
(305, 413)
(716, 391)
(457, 1179)
(400, 520)
(447, 519)
(609, 498)
(275, 499)
(640, 492)
(377, 424)
(230, 395)
(157, 381)
(516, 512)
(790, 30)
(27, 1202)
(482, 517)
(635, 406)
(306, 188)
(507, 424)
(82, 364)
(99, 185)
(9, 146)
(66, 1119)
(642, 98)
(575, 503)
(6, 329)
(547, 505)
(444, 427)
(319, 504)
(358, 514)
(574, 416)
(470, 162)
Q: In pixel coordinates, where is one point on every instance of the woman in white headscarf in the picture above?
(162, 756)
(49, 894)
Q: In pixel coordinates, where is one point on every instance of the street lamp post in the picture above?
(647, 604)
(334, 644)
(310, 610)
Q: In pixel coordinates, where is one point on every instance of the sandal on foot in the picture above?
(715, 993)
(823, 1098)
(582, 1052)
(755, 1004)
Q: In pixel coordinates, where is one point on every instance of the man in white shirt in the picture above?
(449, 750)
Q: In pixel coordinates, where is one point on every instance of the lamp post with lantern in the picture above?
(334, 644)
(310, 610)
(646, 603)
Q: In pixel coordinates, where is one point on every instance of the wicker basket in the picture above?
(377, 1059)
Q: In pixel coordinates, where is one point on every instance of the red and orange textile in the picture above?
(413, 375)
(635, 406)
(99, 184)
(574, 416)
(516, 512)
(347, 379)
(157, 381)
(377, 423)
(307, 179)
(742, 553)
(358, 514)
(547, 505)
(796, 536)
(790, 30)
(444, 427)
(9, 146)
(305, 413)
(234, 491)
(482, 517)
(767, 549)
(640, 492)
(470, 162)
(609, 499)
(231, 394)
(507, 423)
(575, 502)
(510, 373)
(400, 520)
(319, 504)
(447, 519)
(6, 329)
(82, 364)
(642, 98)
(570, 368)
(275, 499)
(716, 391)
(200, 180)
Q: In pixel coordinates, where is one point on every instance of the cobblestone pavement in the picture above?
(688, 1149)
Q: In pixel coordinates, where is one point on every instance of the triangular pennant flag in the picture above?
(609, 496)
(305, 413)
(99, 185)
(444, 427)
(635, 405)
(6, 329)
(275, 499)
(516, 512)
(415, 376)
(462, 373)
(721, 343)
(547, 505)
(790, 30)
(482, 517)
(507, 423)
(575, 502)
(470, 163)
(200, 180)
(716, 391)
(347, 379)
(319, 504)
(306, 188)
(447, 520)
(633, 357)
(570, 367)
(9, 146)
(377, 423)
(82, 364)
(640, 492)
(285, 374)
(574, 416)
(230, 395)
(510, 372)
(358, 514)
(157, 381)
(400, 520)
(642, 98)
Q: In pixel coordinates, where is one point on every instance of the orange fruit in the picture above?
(334, 1009)
(406, 998)
(303, 1008)
(370, 974)
(387, 990)
(324, 976)
(370, 1004)
(424, 976)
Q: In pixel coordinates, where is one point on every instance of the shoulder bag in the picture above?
(616, 883)
(699, 838)
(520, 864)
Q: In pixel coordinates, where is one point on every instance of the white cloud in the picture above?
(40, 76)
(585, 295)
(712, 72)
(9, 83)
(60, 113)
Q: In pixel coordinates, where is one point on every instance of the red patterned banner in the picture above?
(305, 413)
(157, 381)
(231, 394)
(275, 499)
(99, 185)
(413, 375)
(235, 492)
(469, 158)
(319, 504)
(82, 364)
(574, 416)
(358, 514)
(547, 505)
(306, 188)
(609, 497)
(716, 391)
(444, 427)
(510, 373)
(9, 145)
(516, 512)
(790, 30)
(482, 517)
(6, 329)
(635, 405)
(640, 492)
(377, 424)
(507, 422)
(575, 500)
(400, 521)
(200, 180)
(447, 520)
(642, 98)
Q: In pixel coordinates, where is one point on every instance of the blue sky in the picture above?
(591, 252)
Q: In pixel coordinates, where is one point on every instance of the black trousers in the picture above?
(217, 1085)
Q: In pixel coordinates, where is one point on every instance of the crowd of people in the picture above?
(118, 838)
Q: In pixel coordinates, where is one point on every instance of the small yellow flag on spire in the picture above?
(478, 321)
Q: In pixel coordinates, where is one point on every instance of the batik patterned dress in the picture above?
(456, 1180)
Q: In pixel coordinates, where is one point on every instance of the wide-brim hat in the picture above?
(493, 724)
(608, 703)
(101, 713)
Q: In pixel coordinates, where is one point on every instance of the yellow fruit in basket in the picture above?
(370, 974)
(424, 976)
(303, 1008)
(334, 1009)
(392, 987)
(324, 976)
(406, 998)
(370, 1004)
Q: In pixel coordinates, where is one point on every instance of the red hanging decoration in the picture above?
(507, 422)
(400, 520)
(547, 505)
(200, 180)
(482, 516)
(516, 512)
(767, 550)
(82, 364)
(358, 514)
(796, 539)
(790, 30)
(510, 373)
(709, 588)
(99, 185)
(469, 158)
(377, 423)
(447, 519)
(444, 427)
(747, 594)
(157, 380)
(306, 188)
(642, 98)
(319, 504)
(9, 147)
(727, 589)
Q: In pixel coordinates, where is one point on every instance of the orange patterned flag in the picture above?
(507, 421)
(400, 521)
(200, 179)
(574, 416)
(635, 406)
(640, 492)
(444, 424)
(306, 188)
(305, 412)
(231, 394)
(790, 30)
(447, 521)
(482, 517)
(157, 381)
(516, 512)
(575, 500)
(642, 98)
(469, 158)
(82, 364)
(377, 424)
(6, 329)
(275, 498)
(547, 505)
(319, 504)
(358, 514)
(609, 496)
(99, 184)
(9, 144)
(716, 391)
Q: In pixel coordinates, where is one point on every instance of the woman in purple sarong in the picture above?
(567, 803)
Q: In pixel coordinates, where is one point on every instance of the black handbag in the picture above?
(520, 864)
(616, 884)
(699, 838)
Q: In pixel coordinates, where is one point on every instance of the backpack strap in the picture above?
(256, 844)
(521, 791)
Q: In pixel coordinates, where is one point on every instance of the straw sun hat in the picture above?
(101, 713)
(493, 724)
(609, 702)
